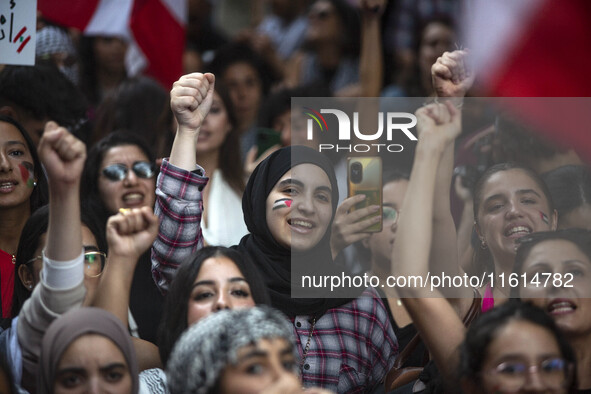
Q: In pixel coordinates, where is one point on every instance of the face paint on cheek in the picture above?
(544, 217)
(282, 203)
(27, 173)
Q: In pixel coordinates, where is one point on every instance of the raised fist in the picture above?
(438, 123)
(190, 99)
(62, 154)
(131, 232)
(451, 74)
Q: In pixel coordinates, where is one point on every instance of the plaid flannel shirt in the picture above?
(179, 206)
(352, 347)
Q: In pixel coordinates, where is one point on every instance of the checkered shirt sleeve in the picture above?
(179, 207)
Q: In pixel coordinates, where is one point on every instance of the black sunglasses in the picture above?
(118, 172)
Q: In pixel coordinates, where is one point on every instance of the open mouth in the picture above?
(7, 186)
(300, 225)
(133, 199)
(517, 231)
(561, 307)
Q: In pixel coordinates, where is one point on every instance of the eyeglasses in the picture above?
(118, 172)
(553, 372)
(94, 262)
(390, 214)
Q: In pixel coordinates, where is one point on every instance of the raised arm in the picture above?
(129, 234)
(63, 157)
(451, 80)
(190, 100)
(178, 194)
(438, 125)
(61, 287)
(371, 62)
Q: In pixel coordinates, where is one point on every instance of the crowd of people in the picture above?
(150, 241)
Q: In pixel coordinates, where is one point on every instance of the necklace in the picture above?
(13, 259)
(307, 347)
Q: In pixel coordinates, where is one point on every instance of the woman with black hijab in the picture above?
(345, 344)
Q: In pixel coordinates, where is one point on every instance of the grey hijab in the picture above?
(72, 325)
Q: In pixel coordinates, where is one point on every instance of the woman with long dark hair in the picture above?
(200, 288)
(23, 189)
(120, 174)
(102, 66)
(61, 284)
(213, 279)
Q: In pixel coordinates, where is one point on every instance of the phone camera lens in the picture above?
(356, 172)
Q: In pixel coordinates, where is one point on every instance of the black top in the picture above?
(145, 300)
(419, 356)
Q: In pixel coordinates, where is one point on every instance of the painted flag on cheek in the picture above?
(544, 217)
(282, 203)
(27, 173)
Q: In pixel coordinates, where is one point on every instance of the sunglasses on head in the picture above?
(118, 172)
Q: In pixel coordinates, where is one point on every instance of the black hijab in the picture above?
(274, 260)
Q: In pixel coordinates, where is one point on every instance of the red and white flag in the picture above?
(155, 29)
(536, 48)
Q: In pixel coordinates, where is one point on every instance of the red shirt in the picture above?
(6, 282)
